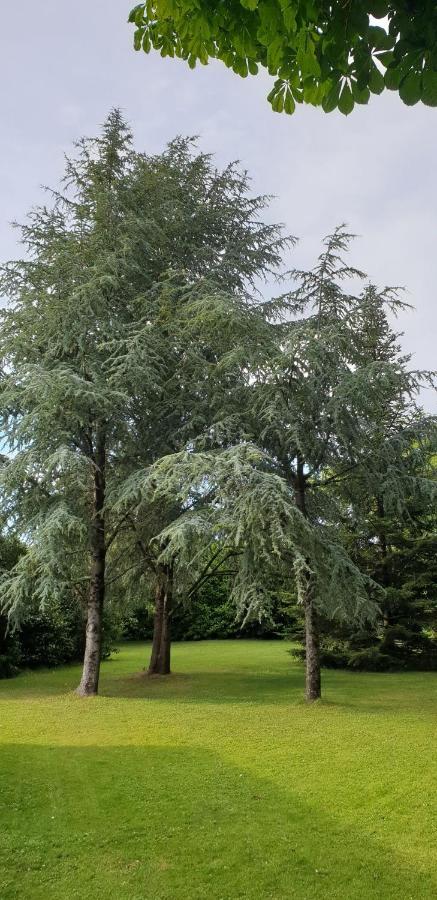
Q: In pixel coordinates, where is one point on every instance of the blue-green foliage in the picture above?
(48, 636)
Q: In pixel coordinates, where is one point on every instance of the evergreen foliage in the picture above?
(171, 432)
(137, 282)
(400, 552)
(10, 656)
(332, 420)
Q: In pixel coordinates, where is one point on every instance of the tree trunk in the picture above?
(383, 574)
(161, 643)
(305, 590)
(89, 683)
(313, 689)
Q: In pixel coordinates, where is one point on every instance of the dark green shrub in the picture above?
(371, 660)
(211, 615)
(52, 636)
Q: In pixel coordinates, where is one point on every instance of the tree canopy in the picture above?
(321, 410)
(166, 421)
(323, 52)
(136, 283)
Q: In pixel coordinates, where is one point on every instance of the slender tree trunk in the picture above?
(305, 587)
(89, 683)
(305, 593)
(161, 643)
(383, 575)
(313, 690)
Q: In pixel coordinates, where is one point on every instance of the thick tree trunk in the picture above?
(89, 683)
(157, 627)
(161, 643)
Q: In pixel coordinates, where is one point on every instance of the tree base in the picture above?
(85, 692)
(152, 672)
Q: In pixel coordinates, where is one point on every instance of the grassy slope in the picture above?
(218, 782)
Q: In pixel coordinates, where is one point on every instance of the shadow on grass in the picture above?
(181, 824)
(379, 695)
(209, 687)
(195, 687)
(363, 692)
(227, 675)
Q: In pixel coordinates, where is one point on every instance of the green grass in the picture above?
(218, 782)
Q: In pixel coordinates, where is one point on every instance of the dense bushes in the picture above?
(211, 615)
(46, 637)
(383, 649)
(50, 637)
(405, 640)
(405, 634)
(10, 656)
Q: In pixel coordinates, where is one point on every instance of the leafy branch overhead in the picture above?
(324, 52)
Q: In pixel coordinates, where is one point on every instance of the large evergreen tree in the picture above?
(215, 339)
(116, 322)
(76, 289)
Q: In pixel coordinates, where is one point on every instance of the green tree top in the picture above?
(324, 52)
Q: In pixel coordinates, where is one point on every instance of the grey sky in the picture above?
(64, 64)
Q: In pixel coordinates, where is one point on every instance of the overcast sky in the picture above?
(63, 65)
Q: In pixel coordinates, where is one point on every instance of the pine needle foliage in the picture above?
(323, 416)
(117, 345)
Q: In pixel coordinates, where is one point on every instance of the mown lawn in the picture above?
(218, 783)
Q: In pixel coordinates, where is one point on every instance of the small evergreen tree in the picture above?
(316, 411)
(338, 411)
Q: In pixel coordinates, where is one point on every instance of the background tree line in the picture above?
(173, 435)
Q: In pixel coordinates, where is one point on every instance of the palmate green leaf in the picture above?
(244, 44)
(240, 67)
(278, 102)
(410, 89)
(306, 59)
(429, 87)
(378, 8)
(379, 38)
(386, 58)
(346, 100)
(360, 95)
(392, 78)
(289, 104)
(330, 100)
(309, 39)
(136, 15)
(138, 38)
(277, 89)
(275, 54)
(289, 12)
(376, 81)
